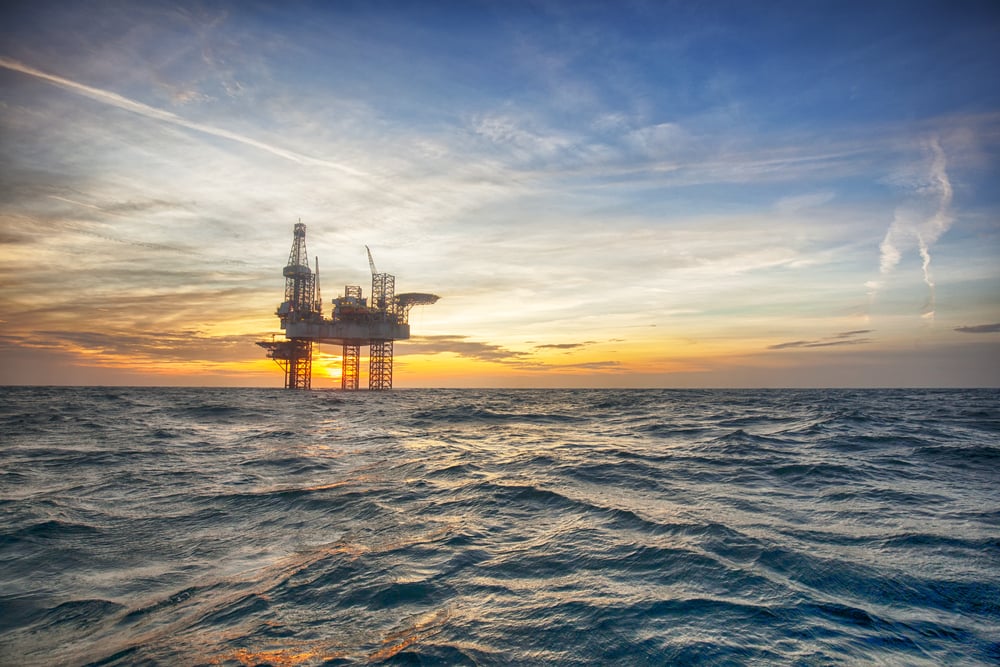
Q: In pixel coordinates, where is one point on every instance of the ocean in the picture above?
(166, 526)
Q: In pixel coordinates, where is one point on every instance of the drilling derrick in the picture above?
(353, 324)
(294, 355)
(300, 282)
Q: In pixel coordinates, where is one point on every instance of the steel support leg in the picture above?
(349, 367)
(380, 365)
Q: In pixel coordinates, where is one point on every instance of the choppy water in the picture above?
(244, 527)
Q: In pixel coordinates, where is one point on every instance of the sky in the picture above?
(603, 194)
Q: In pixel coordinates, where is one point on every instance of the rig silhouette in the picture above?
(354, 323)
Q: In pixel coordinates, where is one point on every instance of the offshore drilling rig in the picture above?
(354, 323)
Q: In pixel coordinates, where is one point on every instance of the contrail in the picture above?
(116, 100)
(923, 225)
(938, 223)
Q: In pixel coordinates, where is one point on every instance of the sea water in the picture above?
(573, 527)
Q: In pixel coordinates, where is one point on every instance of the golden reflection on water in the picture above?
(413, 632)
(425, 626)
(408, 633)
(276, 657)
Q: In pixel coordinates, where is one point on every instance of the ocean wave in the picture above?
(246, 527)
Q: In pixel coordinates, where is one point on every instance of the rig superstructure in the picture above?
(353, 324)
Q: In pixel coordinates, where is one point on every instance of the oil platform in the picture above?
(353, 324)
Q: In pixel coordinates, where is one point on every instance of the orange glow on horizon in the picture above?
(233, 360)
(330, 365)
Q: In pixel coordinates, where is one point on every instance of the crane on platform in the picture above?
(353, 324)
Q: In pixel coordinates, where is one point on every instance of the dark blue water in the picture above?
(246, 527)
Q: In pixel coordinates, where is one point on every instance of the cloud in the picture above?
(461, 346)
(589, 365)
(980, 329)
(797, 203)
(843, 338)
(922, 220)
(659, 140)
(121, 102)
(848, 334)
(815, 343)
(526, 141)
(564, 346)
(160, 348)
(522, 361)
(123, 208)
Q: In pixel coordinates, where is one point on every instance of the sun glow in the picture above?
(329, 364)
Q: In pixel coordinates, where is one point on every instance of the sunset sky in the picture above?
(634, 194)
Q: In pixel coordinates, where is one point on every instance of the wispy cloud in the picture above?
(513, 134)
(980, 329)
(124, 208)
(121, 102)
(564, 346)
(461, 346)
(795, 203)
(843, 338)
(589, 366)
(516, 360)
(128, 348)
(923, 219)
